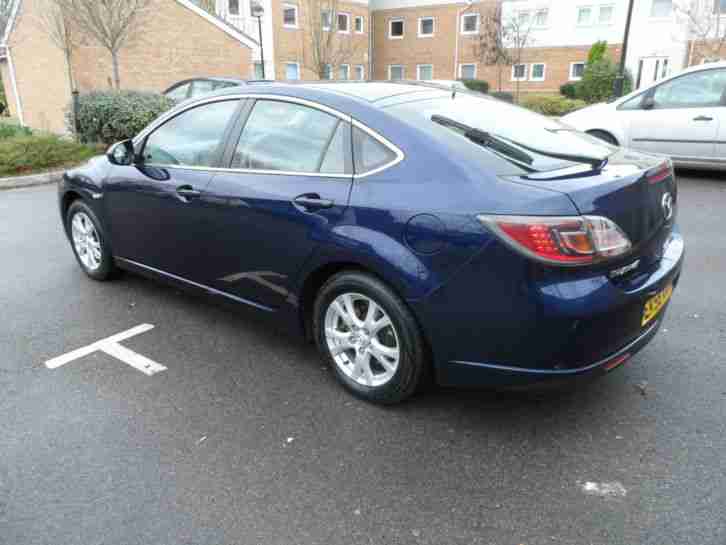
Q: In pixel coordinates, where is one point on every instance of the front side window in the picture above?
(289, 15)
(368, 153)
(359, 24)
(344, 72)
(699, 90)
(470, 23)
(395, 28)
(343, 22)
(283, 136)
(661, 8)
(360, 72)
(519, 72)
(395, 72)
(426, 26)
(192, 138)
(425, 71)
(577, 69)
(538, 72)
(584, 14)
(292, 71)
(468, 71)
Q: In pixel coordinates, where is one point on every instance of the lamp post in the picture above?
(620, 79)
(258, 11)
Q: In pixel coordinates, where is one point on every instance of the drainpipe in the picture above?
(456, 36)
(14, 83)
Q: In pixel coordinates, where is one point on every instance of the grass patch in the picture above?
(26, 154)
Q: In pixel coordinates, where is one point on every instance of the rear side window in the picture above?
(202, 87)
(338, 150)
(283, 136)
(192, 138)
(368, 153)
(179, 93)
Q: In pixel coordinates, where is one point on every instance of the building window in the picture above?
(519, 72)
(538, 72)
(424, 72)
(719, 6)
(584, 15)
(326, 19)
(344, 23)
(540, 18)
(467, 71)
(395, 29)
(576, 71)
(328, 72)
(470, 23)
(344, 72)
(258, 70)
(605, 16)
(359, 24)
(360, 72)
(661, 8)
(289, 16)
(523, 19)
(425, 27)
(395, 71)
(233, 7)
(292, 70)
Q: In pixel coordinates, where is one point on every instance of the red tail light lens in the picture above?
(660, 173)
(578, 240)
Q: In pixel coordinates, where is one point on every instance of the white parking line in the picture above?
(110, 345)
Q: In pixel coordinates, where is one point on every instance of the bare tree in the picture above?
(327, 47)
(110, 23)
(705, 30)
(518, 37)
(6, 8)
(491, 43)
(56, 23)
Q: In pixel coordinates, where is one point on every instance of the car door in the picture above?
(287, 185)
(155, 207)
(680, 117)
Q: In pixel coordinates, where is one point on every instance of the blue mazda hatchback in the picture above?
(410, 231)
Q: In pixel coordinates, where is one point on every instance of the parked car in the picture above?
(683, 116)
(194, 88)
(409, 232)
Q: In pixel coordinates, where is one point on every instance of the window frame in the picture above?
(347, 72)
(329, 69)
(612, 14)
(544, 71)
(572, 66)
(239, 8)
(390, 28)
(526, 71)
(537, 12)
(360, 18)
(322, 20)
(347, 22)
(286, 6)
(297, 67)
(418, 71)
(465, 16)
(403, 71)
(589, 18)
(362, 72)
(461, 69)
(433, 26)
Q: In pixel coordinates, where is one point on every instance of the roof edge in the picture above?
(222, 25)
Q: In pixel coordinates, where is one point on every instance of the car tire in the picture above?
(88, 242)
(379, 363)
(604, 136)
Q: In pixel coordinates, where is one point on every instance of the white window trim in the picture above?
(572, 65)
(526, 71)
(418, 71)
(547, 18)
(577, 15)
(531, 71)
(297, 67)
(286, 7)
(362, 72)
(347, 72)
(461, 69)
(426, 18)
(390, 27)
(322, 20)
(347, 22)
(612, 16)
(362, 20)
(469, 32)
(403, 71)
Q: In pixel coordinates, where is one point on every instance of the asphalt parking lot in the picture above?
(245, 438)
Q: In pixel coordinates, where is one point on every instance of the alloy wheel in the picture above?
(86, 241)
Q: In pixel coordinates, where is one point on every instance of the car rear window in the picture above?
(521, 141)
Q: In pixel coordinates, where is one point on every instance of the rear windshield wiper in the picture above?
(514, 150)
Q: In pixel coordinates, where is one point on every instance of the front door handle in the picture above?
(703, 118)
(187, 192)
(312, 201)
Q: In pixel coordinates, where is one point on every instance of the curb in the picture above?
(30, 181)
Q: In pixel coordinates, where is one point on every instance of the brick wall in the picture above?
(295, 45)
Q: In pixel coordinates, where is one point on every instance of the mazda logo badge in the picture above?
(667, 204)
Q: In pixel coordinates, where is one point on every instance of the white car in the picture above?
(683, 116)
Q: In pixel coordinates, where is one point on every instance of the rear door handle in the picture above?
(187, 192)
(312, 201)
(703, 118)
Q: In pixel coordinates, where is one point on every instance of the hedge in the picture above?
(111, 116)
(11, 131)
(552, 105)
(26, 154)
(504, 95)
(476, 85)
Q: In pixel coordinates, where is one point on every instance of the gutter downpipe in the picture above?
(14, 83)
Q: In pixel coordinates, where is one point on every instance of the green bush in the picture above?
(597, 52)
(552, 105)
(478, 85)
(598, 82)
(11, 131)
(504, 95)
(26, 154)
(110, 116)
(568, 90)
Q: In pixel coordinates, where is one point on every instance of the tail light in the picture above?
(660, 173)
(576, 240)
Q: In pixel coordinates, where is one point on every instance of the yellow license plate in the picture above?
(654, 305)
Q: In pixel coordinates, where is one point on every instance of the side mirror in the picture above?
(648, 103)
(122, 153)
